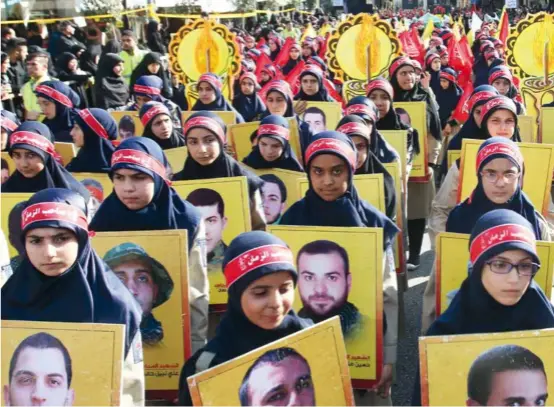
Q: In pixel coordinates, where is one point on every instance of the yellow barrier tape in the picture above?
(55, 20)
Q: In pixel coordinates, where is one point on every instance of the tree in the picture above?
(89, 7)
(244, 6)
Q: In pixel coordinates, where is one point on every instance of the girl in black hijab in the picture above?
(294, 58)
(110, 89)
(210, 97)
(89, 62)
(312, 87)
(158, 126)
(152, 64)
(247, 101)
(433, 66)
(68, 71)
(448, 95)
(241, 330)
(154, 38)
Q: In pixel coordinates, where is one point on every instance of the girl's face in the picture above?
(52, 251)
(72, 65)
(477, 115)
(329, 176)
(78, 136)
(362, 148)
(381, 100)
(444, 84)
(502, 85)
(272, 45)
(206, 93)
(141, 100)
(153, 68)
(307, 51)
(507, 289)
(294, 54)
(406, 77)
(27, 163)
(265, 77)
(310, 85)
(203, 146)
(4, 140)
(134, 188)
(267, 301)
(270, 149)
(444, 60)
(436, 64)
(162, 127)
(247, 87)
(47, 107)
(118, 69)
(5, 65)
(500, 179)
(276, 103)
(501, 123)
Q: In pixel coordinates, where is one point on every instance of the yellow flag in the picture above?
(471, 37)
(459, 31)
(428, 32)
(501, 22)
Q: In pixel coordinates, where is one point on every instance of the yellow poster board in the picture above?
(417, 111)
(546, 135)
(66, 150)
(371, 188)
(9, 161)
(136, 257)
(322, 116)
(452, 261)
(131, 126)
(399, 255)
(95, 376)
(398, 139)
(453, 155)
(323, 286)
(176, 157)
(527, 128)
(228, 117)
(103, 179)
(537, 180)
(222, 223)
(240, 138)
(445, 363)
(7, 203)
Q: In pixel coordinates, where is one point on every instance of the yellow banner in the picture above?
(11, 221)
(417, 115)
(128, 124)
(527, 128)
(399, 256)
(66, 150)
(9, 161)
(176, 157)
(546, 125)
(321, 116)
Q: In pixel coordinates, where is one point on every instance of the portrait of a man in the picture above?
(212, 208)
(126, 127)
(147, 279)
(316, 119)
(5, 174)
(40, 373)
(280, 377)
(507, 375)
(274, 198)
(96, 195)
(324, 282)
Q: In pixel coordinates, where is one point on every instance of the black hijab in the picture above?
(110, 89)
(87, 62)
(148, 113)
(154, 37)
(220, 104)
(448, 99)
(322, 95)
(251, 107)
(142, 70)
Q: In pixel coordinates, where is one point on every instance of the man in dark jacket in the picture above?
(66, 41)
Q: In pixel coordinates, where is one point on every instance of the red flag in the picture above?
(283, 56)
(461, 113)
(332, 90)
(504, 27)
(292, 77)
(411, 44)
(262, 61)
(261, 42)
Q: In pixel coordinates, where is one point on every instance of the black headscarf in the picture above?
(448, 99)
(111, 90)
(142, 70)
(37, 138)
(435, 75)
(291, 63)
(148, 113)
(251, 107)
(224, 165)
(220, 104)
(87, 64)
(88, 292)
(166, 210)
(322, 95)
(111, 47)
(276, 128)
(154, 38)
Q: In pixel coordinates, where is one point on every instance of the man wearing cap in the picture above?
(66, 41)
(147, 279)
(131, 54)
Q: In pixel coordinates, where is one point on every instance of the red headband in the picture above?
(8, 123)
(359, 108)
(94, 124)
(212, 80)
(498, 235)
(280, 86)
(295, 46)
(273, 130)
(312, 69)
(448, 77)
(152, 112)
(54, 94)
(499, 101)
(498, 148)
(135, 157)
(207, 123)
(354, 128)
(334, 145)
(95, 192)
(431, 57)
(398, 63)
(149, 90)
(255, 258)
(34, 140)
(478, 97)
(249, 75)
(380, 84)
(53, 211)
(501, 73)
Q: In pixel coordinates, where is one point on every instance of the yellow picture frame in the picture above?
(418, 120)
(7, 202)
(118, 115)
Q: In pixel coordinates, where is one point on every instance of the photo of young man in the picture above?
(274, 198)
(316, 119)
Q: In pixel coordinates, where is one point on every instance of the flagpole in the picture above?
(368, 63)
(546, 60)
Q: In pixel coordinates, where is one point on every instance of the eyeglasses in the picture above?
(523, 269)
(493, 176)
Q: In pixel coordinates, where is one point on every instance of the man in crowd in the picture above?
(66, 40)
(131, 54)
(316, 119)
(274, 197)
(37, 68)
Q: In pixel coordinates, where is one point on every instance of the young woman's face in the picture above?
(444, 84)
(203, 146)
(72, 65)
(134, 188)
(406, 77)
(153, 68)
(162, 126)
(141, 100)
(272, 45)
(4, 139)
(5, 65)
(310, 85)
(501, 123)
(507, 289)
(381, 100)
(27, 163)
(276, 103)
(500, 180)
(502, 85)
(52, 251)
(436, 64)
(118, 69)
(267, 301)
(477, 115)
(247, 87)
(47, 107)
(307, 51)
(206, 93)
(294, 54)
(362, 150)
(444, 60)
(329, 176)
(270, 149)
(78, 136)
(265, 77)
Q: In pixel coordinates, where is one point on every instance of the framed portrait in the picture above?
(510, 368)
(399, 255)
(176, 157)
(309, 365)
(452, 261)
(66, 150)
(453, 155)
(398, 139)
(228, 117)
(546, 124)
(322, 116)
(340, 273)
(128, 124)
(225, 208)
(9, 161)
(58, 356)
(527, 128)
(414, 114)
(537, 178)
(371, 188)
(12, 205)
(160, 284)
(243, 138)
